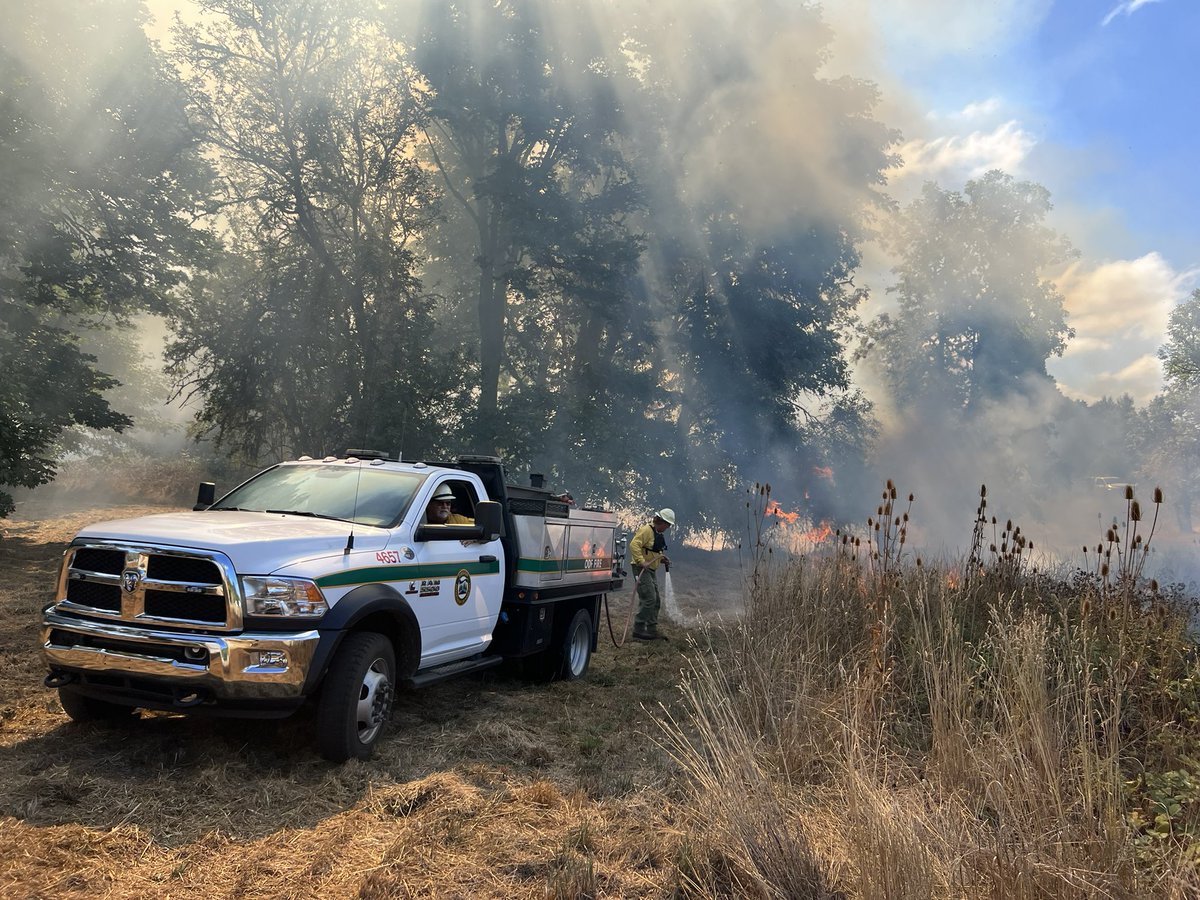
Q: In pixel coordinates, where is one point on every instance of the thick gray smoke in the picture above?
(785, 118)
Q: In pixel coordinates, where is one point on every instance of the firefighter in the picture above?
(438, 512)
(648, 550)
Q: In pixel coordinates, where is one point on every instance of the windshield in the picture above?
(360, 494)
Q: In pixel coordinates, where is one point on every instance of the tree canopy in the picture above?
(978, 315)
(98, 186)
(614, 242)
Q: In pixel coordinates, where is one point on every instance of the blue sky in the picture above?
(1093, 100)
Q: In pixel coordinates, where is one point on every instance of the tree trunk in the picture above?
(493, 303)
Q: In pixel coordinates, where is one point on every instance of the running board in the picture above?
(427, 677)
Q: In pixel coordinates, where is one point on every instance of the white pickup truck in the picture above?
(321, 579)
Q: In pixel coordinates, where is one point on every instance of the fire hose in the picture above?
(629, 618)
(632, 606)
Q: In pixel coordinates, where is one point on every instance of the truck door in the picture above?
(457, 585)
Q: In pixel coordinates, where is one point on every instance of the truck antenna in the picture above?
(354, 515)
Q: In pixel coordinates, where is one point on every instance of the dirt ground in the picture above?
(483, 787)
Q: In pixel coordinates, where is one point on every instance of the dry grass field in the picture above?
(867, 726)
(484, 787)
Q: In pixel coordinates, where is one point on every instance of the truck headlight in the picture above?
(271, 595)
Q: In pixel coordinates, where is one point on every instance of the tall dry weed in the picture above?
(945, 731)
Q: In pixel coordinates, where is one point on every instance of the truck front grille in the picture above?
(97, 559)
(183, 568)
(151, 585)
(95, 595)
(190, 607)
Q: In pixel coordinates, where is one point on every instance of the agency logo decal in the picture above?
(462, 587)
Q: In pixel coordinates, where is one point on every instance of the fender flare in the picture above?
(365, 601)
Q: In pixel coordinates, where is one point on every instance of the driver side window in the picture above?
(462, 505)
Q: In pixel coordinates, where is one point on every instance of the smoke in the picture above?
(797, 118)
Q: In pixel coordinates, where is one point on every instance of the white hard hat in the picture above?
(666, 514)
(443, 493)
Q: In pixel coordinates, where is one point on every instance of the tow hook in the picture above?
(60, 679)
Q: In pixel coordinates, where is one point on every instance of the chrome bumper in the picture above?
(228, 667)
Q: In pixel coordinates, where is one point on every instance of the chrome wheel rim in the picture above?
(374, 701)
(578, 649)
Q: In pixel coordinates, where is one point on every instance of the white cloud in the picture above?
(1127, 8)
(984, 109)
(1141, 379)
(955, 157)
(1119, 311)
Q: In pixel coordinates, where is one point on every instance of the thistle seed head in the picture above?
(1158, 495)
(983, 490)
(1135, 511)
(1129, 492)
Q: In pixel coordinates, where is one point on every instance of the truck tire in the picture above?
(575, 652)
(82, 708)
(356, 699)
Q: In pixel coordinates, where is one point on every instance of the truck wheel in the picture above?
(356, 700)
(576, 650)
(82, 708)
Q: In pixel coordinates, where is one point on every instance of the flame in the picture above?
(823, 472)
(952, 580)
(819, 533)
(774, 509)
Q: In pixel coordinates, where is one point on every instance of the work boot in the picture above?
(643, 634)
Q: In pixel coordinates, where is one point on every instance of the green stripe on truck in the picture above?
(375, 574)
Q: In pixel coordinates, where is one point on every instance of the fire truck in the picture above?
(323, 581)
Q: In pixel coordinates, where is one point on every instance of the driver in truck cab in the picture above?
(439, 513)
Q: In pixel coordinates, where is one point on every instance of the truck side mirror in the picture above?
(490, 516)
(205, 495)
